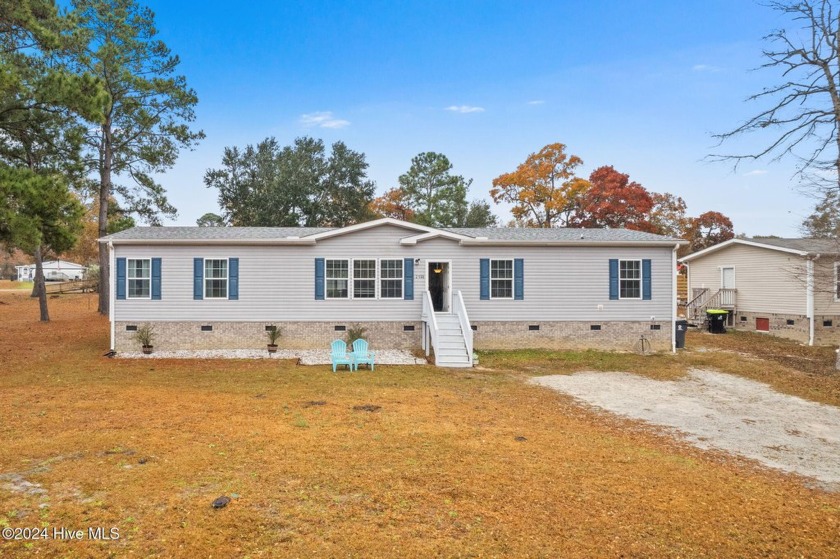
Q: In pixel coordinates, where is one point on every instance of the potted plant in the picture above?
(355, 332)
(273, 334)
(145, 335)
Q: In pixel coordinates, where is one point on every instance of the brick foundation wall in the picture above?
(392, 335)
(620, 336)
(793, 327)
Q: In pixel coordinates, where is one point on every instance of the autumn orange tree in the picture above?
(543, 189)
(613, 200)
(392, 204)
(707, 229)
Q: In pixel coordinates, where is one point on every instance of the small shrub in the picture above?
(355, 332)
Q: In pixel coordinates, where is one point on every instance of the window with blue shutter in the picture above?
(408, 279)
(518, 279)
(156, 279)
(613, 279)
(198, 279)
(121, 278)
(233, 279)
(484, 279)
(646, 282)
(319, 279)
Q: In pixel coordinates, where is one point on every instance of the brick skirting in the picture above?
(398, 335)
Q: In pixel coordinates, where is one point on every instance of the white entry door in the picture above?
(727, 278)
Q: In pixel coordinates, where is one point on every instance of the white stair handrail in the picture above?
(466, 328)
(427, 315)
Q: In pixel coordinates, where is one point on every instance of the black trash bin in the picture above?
(682, 326)
(717, 320)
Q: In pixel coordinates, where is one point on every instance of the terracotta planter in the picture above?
(147, 349)
(272, 348)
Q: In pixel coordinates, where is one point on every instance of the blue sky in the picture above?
(637, 85)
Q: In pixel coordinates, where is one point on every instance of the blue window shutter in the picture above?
(613, 278)
(156, 279)
(408, 279)
(485, 279)
(120, 278)
(518, 279)
(198, 279)
(319, 279)
(646, 292)
(233, 279)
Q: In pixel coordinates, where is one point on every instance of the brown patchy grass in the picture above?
(436, 471)
(7, 284)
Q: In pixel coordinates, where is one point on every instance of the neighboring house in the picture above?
(411, 286)
(54, 270)
(787, 287)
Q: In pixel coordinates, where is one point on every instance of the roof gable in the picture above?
(800, 247)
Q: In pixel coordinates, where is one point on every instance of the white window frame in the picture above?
(226, 278)
(640, 279)
(349, 278)
(836, 281)
(382, 278)
(352, 279)
(128, 279)
(512, 275)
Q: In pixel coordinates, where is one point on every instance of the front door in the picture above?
(727, 278)
(438, 278)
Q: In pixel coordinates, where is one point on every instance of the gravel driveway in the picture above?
(721, 411)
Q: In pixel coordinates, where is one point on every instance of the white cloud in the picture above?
(755, 173)
(322, 119)
(705, 68)
(537, 102)
(463, 109)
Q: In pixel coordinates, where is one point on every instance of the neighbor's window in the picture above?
(501, 279)
(215, 278)
(630, 279)
(364, 279)
(337, 276)
(391, 284)
(139, 278)
(837, 281)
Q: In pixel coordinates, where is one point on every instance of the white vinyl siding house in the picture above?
(54, 270)
(378, 273)
(785, 286)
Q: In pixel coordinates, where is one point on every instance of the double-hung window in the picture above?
(391, 282)
(501, 279)
(337, 276)
(630, 279)
(216, 278)
(139, 278)
(364, 279)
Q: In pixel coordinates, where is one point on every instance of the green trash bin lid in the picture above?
(717, 311)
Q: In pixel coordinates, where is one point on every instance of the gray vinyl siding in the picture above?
(824, 288)
(767, 280)
(276, 283)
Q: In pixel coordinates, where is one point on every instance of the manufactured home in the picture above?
(54, 270)
(785, 287)
(410, 286)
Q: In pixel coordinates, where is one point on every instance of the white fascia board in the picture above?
(370, 224)
(239, 242)
(731, 242)
(571, 243)
(433, 235)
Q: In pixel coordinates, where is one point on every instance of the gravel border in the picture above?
(303, 356)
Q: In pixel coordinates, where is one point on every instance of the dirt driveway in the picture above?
(722, 411)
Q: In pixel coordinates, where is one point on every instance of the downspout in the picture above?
(674, 298)
(112, 295)
(809, 294)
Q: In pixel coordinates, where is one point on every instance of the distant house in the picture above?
(411, 286)
(786, 287)
(54, 270)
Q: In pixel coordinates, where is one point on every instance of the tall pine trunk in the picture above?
(39, 285)
(106, 157)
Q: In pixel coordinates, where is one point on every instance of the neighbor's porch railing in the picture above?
(725, 298)
(464, 320)
(430, 326)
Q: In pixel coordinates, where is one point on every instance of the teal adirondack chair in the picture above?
(361, 355)
(339, 355)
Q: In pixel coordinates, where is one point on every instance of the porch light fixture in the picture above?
(438, 269)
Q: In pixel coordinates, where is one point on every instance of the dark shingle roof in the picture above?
(214, 233)
(803, 244)
(557, 234)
